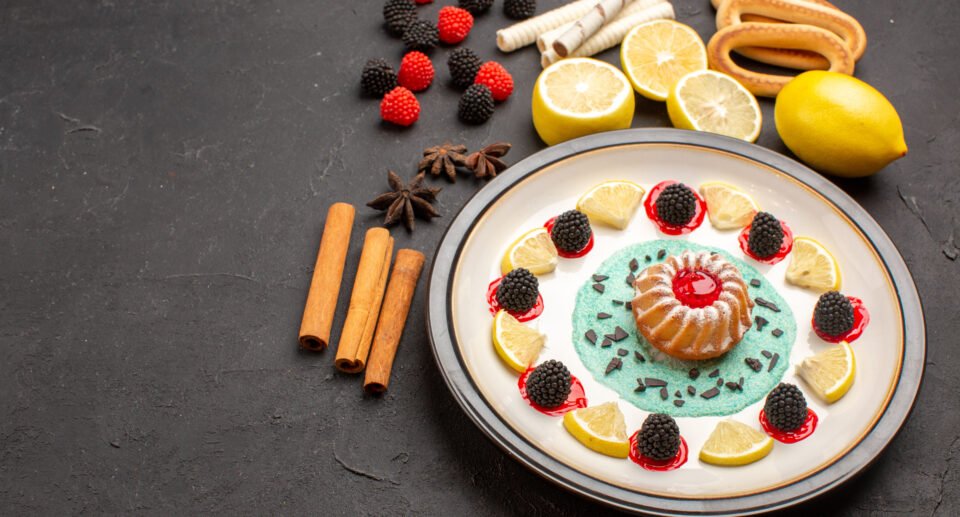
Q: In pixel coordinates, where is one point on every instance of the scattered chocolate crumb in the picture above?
(600, 278)
(606, 342)
(755, 282)
(603, 315)
(639, 356)
(766, 353)
(694, 373)
(591, 336)
(617, 302)
(776, 332)
(754, 364)
(773, 362)
(599, 288)
(664, 394)
(661, 254)
(631, 279)
(615, 364)
(714, 373)
(720, 382)
(678, 403)
(622, 352)
(767, 304)
(647, 258)
(640, 388)
(628, 305)
(677, 394)
(654, 382)
(634, 265)
(732, 386)
(740, 384)
(619, 334)
(761, 322)
(691, 390)
(710, 393)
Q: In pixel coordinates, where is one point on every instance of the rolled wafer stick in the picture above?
(393, 317)
(524, 33)
(365, 301)
(587, 26)
(545, 40)
(324, 290)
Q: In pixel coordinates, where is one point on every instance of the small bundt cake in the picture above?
(693, 306)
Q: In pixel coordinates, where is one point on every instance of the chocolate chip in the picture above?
(647, 258)
(710, 393)
(603, 315)
(622, 352)
(591, 336)
(714, 373)
(640, 388)
(606, 342)
(761, 322)
(768, 304)
(776, 332)
(755, 282)
(754, 364)
(766, 353)
(773, 362)
(619, 334)
(617, 302)
(631, 279)
(720, 382)
(694, 373)
(732, 386)
(634, 265)
(599, 288)
(615, 364)
(740, 384)
(661, 254)
(639, 356)
(691, 390)
(600, 278)
(678, 403)
(664, 394)
(628, 305)
(654, 382)
(677, 394)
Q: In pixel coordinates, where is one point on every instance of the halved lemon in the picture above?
(716, 103)
(830, 373)
(813, 266)
(727, 206)
(600, 428)
(655, 55)
(732, 444)
(534, 251)
(611, 202)
(580, 96)
(517, 344)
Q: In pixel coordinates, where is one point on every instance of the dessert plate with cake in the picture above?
(676, 322)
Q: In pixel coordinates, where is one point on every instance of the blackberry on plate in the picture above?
(377, 78)
(766, 235)
(421, 35)
(518, 290)
(571, 231)
(463, 64)
(519, 9)
(659, 437)
(786, 408)
(476, 6)
(397, 14)
(476, 105)
(833, 314)
(548, 385)
(676, 205)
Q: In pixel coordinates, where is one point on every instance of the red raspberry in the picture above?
(400, 107)
(494, 76)
(454, 24)
(416, 71)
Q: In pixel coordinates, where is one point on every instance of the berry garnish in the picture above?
(518, 291)
(571, 231)
(659, 437)
(476, 105)
(454, 24)
(421, 35)
(463, 64)
(519, 9)
(397, 14)
(677, 204)
(416, 71)
(494, 76)
(400, 107)
(548, 385)
(833, 314)
(785, 407)
(476, 6)
(766, 235)
(377, 78)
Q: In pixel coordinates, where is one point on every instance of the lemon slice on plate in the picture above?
(813, 266)
(655, 55)
(732, 444)
(727, 206)
(534, 251)
(830, 373)
(612, 203)
(716, 103)
(517, 344)
(600, 428)
(580, 96)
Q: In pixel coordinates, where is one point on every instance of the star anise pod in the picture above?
(486, 162)
(406, 201)
(445, 158)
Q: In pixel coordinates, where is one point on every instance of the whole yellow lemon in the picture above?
(839, 124)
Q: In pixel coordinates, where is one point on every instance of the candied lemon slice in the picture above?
(813, 266)
(732, 444)
(517, 344)
(716, 103)
(830, 373)
(534, 251)
(600, 428)
(655, 55)
(612, 203)
(727, 206)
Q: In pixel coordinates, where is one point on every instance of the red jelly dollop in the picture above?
(650, 205)
(566, 254)
(696, 288)
(860, 320)
(781, 254)
(805, 430)
(657, 465)
(576, 400)
(534, 311)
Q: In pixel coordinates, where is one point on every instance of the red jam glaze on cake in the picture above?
(494, 304)
(650, 205)
(566, 254)
(861, 317)
(576, 400)
(785, 247)
(655, 465)
(805, 430)
(696, 288)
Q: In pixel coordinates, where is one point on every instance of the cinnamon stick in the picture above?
(324, 290)
(393, 317)
(365, 301)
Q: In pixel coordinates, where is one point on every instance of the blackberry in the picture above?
(786, 409)
(463, 64)
(548, 385)
(833, 314)
(377, 78)
(421, 35)
(571, 231)
(519, 9)
(676, 205)
(476, 104)
(766, 235)
(397, 14)
(659, 437)
(518, 290)
(476, 6)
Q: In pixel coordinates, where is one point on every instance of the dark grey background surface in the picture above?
(165, 168)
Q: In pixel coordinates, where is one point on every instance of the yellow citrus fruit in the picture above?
(727, 206)
(580, 96)
(839, 124)
(813, 266)
(655, 55)
(732, 444)
(716, 103)
(600, 428)
(830, 373)
(611, 202)
(534, 251)
(517, 344)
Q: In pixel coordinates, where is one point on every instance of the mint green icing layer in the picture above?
(675, 372)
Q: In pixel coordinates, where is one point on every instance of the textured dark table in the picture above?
(165, 168)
